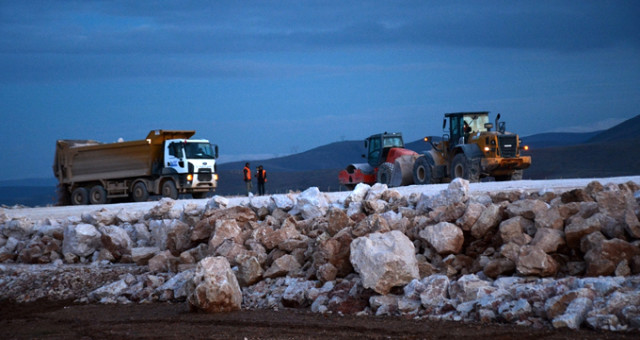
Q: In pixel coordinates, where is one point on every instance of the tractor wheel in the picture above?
(422, 172)
(98, 195)
(169, 190)
(384, 173)
(140, 192)
(80, 196)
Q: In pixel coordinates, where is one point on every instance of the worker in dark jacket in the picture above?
(247, 178)
(261, 175)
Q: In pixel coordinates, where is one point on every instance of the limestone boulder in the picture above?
(81, 240)
(446, 238)
(384, 260)
(532, 260)
(603, 259)
(164, 261)
(142, 255)
(337, 220)
(310, 204)
(214, 288)
(249, 270)
(116, 241)
(225, 229)
(371, 224)
(580, 227)
(470, 216)
(549, 240)
(513, 230)
(282, 266)
(178, 237)
(488, 220)
(203, 230)
(457, 191)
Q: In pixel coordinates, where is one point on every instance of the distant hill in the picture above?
(627, 130)
(330, 156)
(554, 139)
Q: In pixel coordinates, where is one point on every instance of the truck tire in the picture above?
(140, 192)
(98, 195)
(422, 171)
(169, 190)
(384, 173)
(80, 196)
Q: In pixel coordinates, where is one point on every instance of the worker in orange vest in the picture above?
(261, 175)
(247, 178)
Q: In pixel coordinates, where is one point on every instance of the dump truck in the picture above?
(383, 150)
(473, 151)
(165, 163)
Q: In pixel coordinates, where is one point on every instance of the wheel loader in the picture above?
(383, 152)
(472, 150)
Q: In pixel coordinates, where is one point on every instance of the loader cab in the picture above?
(463, 125)
(378, 147)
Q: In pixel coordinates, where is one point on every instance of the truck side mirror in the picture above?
(366, 144)
(215, 147)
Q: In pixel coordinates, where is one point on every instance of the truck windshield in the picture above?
(199, 150)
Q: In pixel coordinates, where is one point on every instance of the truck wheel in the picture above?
(80, 196)
(98, 195)
(422, 172)
(384, 173)
(169, 190)
(140, 192)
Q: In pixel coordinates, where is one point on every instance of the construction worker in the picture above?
(261, 175)
(247, 178)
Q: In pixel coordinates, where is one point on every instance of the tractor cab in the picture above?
(378, 147)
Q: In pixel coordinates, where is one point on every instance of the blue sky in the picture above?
(264, 79)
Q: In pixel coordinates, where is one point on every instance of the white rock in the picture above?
(384, 260)
(81, 240)
(215, 288)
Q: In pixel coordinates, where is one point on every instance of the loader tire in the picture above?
(80, 196)
(462, 167)
(422, 171)
(384, 173)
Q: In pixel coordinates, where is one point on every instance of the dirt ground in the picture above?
(168, 321)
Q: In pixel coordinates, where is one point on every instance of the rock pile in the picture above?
(567, 259)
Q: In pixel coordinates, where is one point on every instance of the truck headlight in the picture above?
(215, 177)
(189, 177)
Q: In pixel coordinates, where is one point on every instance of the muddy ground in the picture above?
(57, 320)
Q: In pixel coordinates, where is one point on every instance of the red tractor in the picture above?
(384, 152)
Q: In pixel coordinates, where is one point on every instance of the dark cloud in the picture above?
(218, 27)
